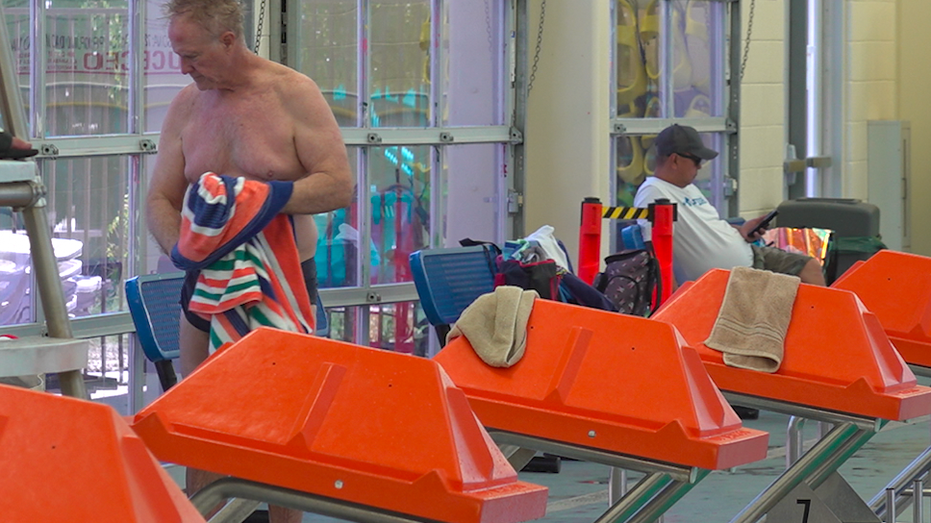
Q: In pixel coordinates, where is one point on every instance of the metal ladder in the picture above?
(23, 190)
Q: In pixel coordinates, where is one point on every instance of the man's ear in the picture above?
(227, 39)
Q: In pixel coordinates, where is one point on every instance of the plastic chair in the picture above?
(448, 280)
(156, 311)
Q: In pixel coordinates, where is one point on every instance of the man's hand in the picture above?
(747, 229)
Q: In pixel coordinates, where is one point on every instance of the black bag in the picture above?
(542, 276)
(630, 280)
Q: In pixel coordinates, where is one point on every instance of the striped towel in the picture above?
(250, 270)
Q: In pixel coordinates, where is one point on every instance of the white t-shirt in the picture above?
(701, 240)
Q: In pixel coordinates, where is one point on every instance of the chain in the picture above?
(743, 63)
(258, 31)
(536, 53)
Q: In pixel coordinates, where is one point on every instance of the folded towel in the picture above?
(496, 325)
(754, 317)
(250, 270)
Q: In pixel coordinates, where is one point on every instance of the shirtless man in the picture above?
(243, 116)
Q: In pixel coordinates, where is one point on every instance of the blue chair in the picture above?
(448, 280)
(156, 312)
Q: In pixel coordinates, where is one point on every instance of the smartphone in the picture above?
(762, 226)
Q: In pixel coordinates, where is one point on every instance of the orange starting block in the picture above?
(896, 287)
(372, 431)
(838, 367)
(59, 454)
(613, 389)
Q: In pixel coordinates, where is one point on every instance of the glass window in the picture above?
(338, 255)
(87, 68)
(16, 13)
(162, 78)
(472, 63)
(670, 58)
(474, 176)
(400, 327)
(689, 84)
(88, 209)
(399, 197)
(328, 53)
(400, 54)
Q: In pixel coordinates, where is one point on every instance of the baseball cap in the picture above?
(682, 139)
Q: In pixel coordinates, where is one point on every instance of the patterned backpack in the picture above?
(630, 280)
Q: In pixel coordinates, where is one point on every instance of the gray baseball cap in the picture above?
(682, 139)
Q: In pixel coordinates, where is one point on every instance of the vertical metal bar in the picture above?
(519, 57)
(617, 485)
(437, 56)
(45, 268)
(666, 58)
(136, 379)
(37, 67)
(917, 500)
(137, 19)
(733, 108)
(890, 506)
(438, 204)
(794, 445)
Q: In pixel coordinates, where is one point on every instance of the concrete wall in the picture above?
(763, 110)
(871, 91)
(913, 88)
(568, 112)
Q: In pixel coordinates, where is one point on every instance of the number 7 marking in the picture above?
(807, 503)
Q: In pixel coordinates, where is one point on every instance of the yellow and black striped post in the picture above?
(625, 213)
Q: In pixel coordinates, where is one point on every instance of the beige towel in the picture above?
(754, 317)
(496, 325)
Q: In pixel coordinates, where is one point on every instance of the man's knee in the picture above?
(812, 273)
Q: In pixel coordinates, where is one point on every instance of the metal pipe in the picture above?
(917, 501)
(890, 502)
(20, 194)
(211, 495)
(617, 485)
(45, 269)
(794, 445)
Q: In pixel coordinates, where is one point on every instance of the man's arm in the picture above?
(168, 184)
(329, 183)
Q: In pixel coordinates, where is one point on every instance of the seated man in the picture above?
(701, 239)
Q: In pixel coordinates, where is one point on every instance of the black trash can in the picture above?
(855, 224)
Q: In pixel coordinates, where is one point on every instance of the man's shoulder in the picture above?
(649, 190)
(287, 80)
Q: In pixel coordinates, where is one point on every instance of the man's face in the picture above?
(203, 55)
(683, 168)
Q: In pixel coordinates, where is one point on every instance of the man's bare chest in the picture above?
(242, 139)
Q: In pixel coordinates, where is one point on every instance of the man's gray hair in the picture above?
(216, 16)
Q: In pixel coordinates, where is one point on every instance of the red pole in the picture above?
(663, 213)
(590, 240)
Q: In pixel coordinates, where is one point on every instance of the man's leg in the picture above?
(194, 345)
(812, 273)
